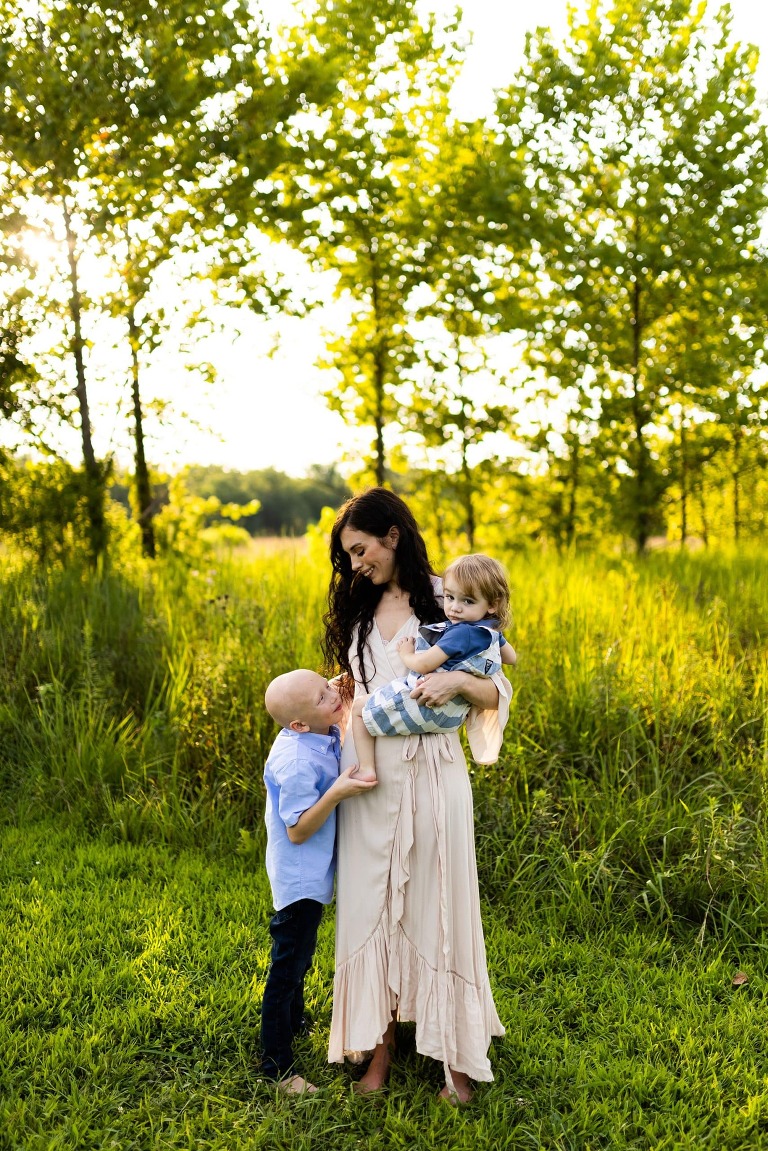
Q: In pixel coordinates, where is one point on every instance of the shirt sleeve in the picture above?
(463, 640)
(297, 784)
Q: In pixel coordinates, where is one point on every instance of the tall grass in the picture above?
(137, 697)
(621, 849)
(633, 775)
(633, 780)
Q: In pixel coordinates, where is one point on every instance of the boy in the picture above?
(303, 790)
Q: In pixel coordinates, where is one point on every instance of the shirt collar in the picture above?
(316, 740)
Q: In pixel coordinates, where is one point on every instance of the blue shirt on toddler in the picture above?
(300, 769)
(463, 643)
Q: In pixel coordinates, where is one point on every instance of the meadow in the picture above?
(621, 849)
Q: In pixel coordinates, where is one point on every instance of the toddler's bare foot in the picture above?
(295, 1085)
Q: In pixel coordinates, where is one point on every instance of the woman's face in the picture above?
(371, 557)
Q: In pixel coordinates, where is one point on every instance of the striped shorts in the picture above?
(391, 711)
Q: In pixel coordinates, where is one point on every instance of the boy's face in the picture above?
(320, 705)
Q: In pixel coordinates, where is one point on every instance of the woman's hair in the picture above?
(352, 601)
(482, 576)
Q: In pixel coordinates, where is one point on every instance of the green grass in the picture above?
(132, 977)
(621, 849)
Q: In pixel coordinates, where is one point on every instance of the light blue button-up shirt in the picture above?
(300, 769)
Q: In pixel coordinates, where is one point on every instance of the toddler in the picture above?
(476, 604)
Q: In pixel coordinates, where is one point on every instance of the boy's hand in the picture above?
(348, 784)
(406, 645)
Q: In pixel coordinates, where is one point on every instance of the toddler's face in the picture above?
(462, 605)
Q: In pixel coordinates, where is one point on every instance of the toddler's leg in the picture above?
(365, 743)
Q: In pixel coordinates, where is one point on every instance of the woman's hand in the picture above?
(437, 688)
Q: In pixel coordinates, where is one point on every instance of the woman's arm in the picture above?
(435, 690)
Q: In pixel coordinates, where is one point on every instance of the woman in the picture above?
(409, 940)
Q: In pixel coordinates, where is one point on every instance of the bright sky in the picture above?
(265, 409)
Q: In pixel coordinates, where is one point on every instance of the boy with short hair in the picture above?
(304, 788)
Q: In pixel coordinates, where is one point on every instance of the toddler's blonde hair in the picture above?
(482, 576)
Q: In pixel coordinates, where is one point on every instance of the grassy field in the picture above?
(621, 846)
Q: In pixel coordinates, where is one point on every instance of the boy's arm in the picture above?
(315, 816)
(420, 661)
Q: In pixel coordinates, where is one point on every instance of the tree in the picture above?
(644, 130)
(106, 123)
(17, 373)
(474, 229)
(715, 351)
(349, 197)
(286, 504)
(44, 124)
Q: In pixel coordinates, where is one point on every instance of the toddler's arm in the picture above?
(345, 787)
(420, 661)
(508, 654)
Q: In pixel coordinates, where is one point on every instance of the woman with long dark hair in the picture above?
(409, 939)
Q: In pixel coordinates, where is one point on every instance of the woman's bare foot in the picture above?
(462, 1090)
(378, 1069)
(377, 1073)
(295, 1085)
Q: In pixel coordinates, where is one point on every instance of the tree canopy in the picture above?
(556, 314)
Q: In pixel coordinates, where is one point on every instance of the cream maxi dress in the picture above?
(408, 930)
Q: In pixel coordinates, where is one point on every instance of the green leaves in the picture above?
(643, 132)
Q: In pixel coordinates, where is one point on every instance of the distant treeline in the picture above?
(288, 504)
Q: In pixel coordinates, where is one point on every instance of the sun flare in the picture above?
(40, 247)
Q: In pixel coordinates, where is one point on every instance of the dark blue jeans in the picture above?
(294, 936)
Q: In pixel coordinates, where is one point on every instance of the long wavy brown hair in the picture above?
(352, 602)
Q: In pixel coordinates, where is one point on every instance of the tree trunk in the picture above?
(379, 418)
(698, 492)
(683, 482)
(379, 376)
(433, 482)
(468, 495)
(736, 473)
(642, 502)
(94, 475)
(143, 487)
(469, 503)
(573, 487)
